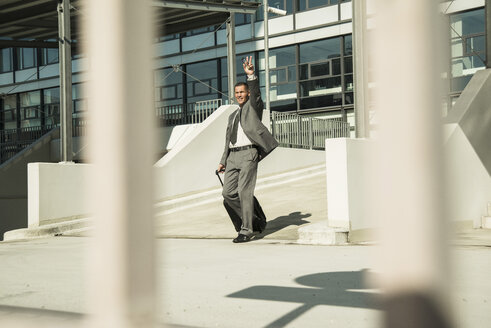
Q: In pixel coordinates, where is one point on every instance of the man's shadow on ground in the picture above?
(281, 222)
(347, 289)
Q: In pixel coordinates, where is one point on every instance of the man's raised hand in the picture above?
(248, 66)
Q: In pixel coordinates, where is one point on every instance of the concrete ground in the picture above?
(205, 280)
(215, 283)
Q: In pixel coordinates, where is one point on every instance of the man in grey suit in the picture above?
(247, 141)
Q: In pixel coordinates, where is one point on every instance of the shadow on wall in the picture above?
(327, 288)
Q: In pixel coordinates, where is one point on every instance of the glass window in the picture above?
(336, 66)
(475, 44)
(30, 109)
(241, 19)
(319, 102)
(468, 47)
(320, 69)
(309, 4)
(167, 76)
(52, 106)
(202, 81)
(348, 82)
(317, 3)
(348, 64)
(320, 87)
(26, 57)
(283, 91)
(348, 45)
(278, 57)
(466, 23)
(79, 100)
(10, 112)
(5, 60)
(49, 56)
(317, 50)
(168, 87)
(278, 75)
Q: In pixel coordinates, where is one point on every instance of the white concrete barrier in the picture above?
(346, 179)
(467, 192)
(56, 191)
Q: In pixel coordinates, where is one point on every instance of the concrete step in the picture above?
(322, 234)
(48, 230)
(175, 204)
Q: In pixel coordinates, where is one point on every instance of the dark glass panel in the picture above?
(5, 60)
(318, 3)
(304, 72)
(349, 98)
(348, 82)
(284, 105)
(318, 102)
(336, 66)
(348, 46)
(348, 64)
(320, 69)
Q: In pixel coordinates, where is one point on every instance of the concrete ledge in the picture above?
(321, 234)
(48, 230)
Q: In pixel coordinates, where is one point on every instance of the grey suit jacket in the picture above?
(252, 112)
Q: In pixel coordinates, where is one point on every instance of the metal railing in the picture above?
(13, 141)
(297, 131)
(187, 113)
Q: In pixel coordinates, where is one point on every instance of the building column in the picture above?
(232, 72)
(64, 41)
(119, 36)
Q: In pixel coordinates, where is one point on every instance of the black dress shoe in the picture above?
(242, 238)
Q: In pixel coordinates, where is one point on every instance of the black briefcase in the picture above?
(259, 220)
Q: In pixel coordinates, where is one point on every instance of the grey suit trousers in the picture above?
(239, 183)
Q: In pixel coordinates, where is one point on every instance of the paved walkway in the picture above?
(215, 283)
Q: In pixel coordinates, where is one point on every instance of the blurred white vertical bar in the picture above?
(407, 185)
(118, 37)
(360, 63)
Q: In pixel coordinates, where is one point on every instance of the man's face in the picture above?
(241, 94)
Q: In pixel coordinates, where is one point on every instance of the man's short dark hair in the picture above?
(238, 84)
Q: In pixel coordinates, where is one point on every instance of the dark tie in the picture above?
(233, 136)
